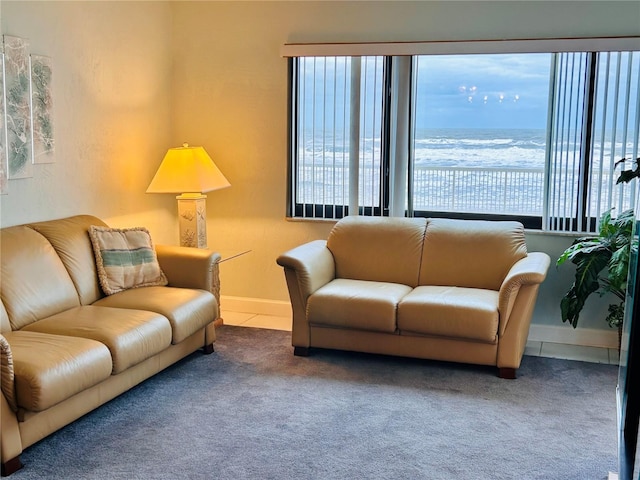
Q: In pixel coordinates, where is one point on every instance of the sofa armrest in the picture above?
(10, 439)
(190, 267)
(306, 269)
(187, 267)
(313, 265)
(531, 270)
(7, 376)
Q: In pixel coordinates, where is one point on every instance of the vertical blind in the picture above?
(595, 122)
(339, 148)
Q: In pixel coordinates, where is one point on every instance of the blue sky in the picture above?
(454, 91)
(483, 91)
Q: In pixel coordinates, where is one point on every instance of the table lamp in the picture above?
(190, 172)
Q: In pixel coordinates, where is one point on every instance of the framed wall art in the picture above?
(17, 85)
(42, 109)
(3, 131)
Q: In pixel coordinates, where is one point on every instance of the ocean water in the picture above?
(480, 148)
(466, 148)
(497, 171)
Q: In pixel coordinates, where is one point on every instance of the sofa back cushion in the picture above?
(5, 326)
(35, 283)
(70, 238)
(380, 249)
(470, 253)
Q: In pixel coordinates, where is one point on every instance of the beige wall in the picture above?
(111, 93)
(134, 78)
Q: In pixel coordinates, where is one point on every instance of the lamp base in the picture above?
(192, 219)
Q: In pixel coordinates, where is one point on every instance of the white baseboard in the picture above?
(537, 333)
(257, 306)
(589, 337)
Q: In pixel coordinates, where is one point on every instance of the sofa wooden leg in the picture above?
(208, 349)
(508, 373)
(301, 351)
(11, 466)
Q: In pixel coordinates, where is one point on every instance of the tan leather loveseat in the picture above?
(66, 347)
(454, 290)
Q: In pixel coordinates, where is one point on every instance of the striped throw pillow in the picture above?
(125, 259)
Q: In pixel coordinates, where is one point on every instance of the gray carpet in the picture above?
(252, 410)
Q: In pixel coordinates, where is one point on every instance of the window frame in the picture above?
(333, 212)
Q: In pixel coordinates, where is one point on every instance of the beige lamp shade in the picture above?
(187, 170)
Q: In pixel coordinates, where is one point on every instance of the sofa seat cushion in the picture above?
(454, 312)
(51, 368)
(188, 310)
(132, 336)
(358, 304)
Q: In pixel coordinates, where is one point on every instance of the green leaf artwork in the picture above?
(17, 105)
(42, 107)
(3, 146)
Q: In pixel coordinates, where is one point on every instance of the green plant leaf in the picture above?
(627, 175)
(604, 222)
(610, 251)
(588, 268)
(590, 247)
(618, 269)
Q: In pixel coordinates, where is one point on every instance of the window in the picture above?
(337, 140)
(594, 122)
(530, 136)
(479, 134)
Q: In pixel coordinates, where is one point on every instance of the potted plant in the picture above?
(602, 262)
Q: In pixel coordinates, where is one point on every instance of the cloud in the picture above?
(483, 91)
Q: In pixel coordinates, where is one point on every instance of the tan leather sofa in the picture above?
(442, 289)
(66, 348)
